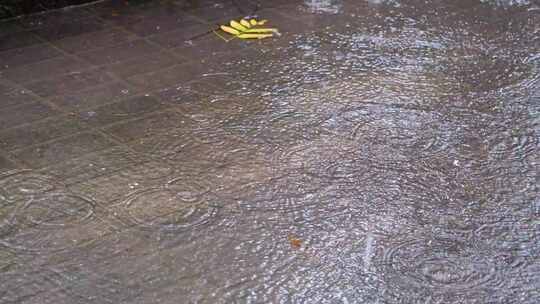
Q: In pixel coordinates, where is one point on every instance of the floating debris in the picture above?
(295, 242)
(247, 29)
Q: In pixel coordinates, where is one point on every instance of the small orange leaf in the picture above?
(296, 243)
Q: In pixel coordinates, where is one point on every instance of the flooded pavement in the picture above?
(376, 152)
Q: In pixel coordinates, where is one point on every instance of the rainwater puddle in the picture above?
(391, 157)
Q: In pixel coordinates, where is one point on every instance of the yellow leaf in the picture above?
(254, 36)
(253, 22)
(238, 26)
(229, 30)
(261, 30)
(245, 23)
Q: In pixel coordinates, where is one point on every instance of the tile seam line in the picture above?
(54, 106)
(47, 100)
(87, 130)
(143, 38)
(66, 8)
(96, 130)
(110, 74)
(47, 169)
(93, 66)
(71, 113)
(168, 50)
(18, 163)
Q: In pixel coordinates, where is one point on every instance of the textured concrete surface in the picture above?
(375, 152)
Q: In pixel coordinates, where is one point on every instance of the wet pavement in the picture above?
(376, 152)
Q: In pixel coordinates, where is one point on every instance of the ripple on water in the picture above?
(328, 158)
(180, 205)
(514, 241)
(52, 222)
(401, 131)
(20, 184)
(439, 266)
(61, 284)
(514, 145)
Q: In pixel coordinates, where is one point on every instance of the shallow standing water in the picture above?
(376, 152)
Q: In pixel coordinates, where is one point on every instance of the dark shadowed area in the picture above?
(378, 152)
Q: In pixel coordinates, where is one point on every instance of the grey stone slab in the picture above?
(209, 47)
(121, 110)
(143, 64)
(94, 97)
(45, 69)
(69, 82)
(119, 53)
(69, 27)
(63, 149)
(53, 17)
(160, 23)
(27, 55)
(175, 75)
(93, 165)
(23, 114)
(219, 11)
(95, 40)
(5, 164)
(39, 132)
(147, 126)
(16, 39)
(12, 96)
(119, 185)
(183, 36)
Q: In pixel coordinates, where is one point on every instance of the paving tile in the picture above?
(63, 149)
(210, 46)
(95, 40)
(170, 77)
(9, 26)
(119, 184)
(144, 64)
(195, 4)
(107, 6)
(219, 12)
(39, 132)
(94, 164)
(12, 96)
(191, 92)
(27, 55)
(72, 82)
(278, 3)
(93, 97)
(53, 17)
(125, 109)
(151, 25)
(182, 36)
(123, 12)
(165, 144)
(120, 52)
(11, 40)
(43, 69)
(70, 27)
(27, 113)
(150, 125)
(295, 19)
(6, 164)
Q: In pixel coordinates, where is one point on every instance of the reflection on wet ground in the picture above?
(377, 152)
